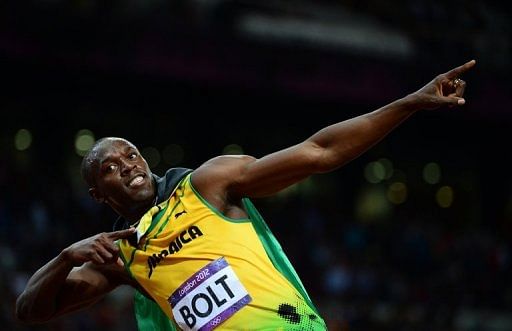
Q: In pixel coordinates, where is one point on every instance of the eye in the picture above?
(111, 168)
(132, 155)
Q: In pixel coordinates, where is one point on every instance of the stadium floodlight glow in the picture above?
(353, 36)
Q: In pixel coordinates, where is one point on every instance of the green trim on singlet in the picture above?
(154, 222)
(269, 242)
(275, 251)
(125, 262)
(215, 210)
(164, 223)
(156, 219)
(149, 315)
(131, 259)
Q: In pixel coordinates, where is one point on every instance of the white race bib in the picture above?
(209, 297)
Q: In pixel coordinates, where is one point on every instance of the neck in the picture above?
(133, 211)
(133, 216)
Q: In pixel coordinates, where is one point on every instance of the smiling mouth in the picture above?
(136, 181)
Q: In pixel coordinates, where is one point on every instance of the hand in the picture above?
(445, 90)
(99, 249)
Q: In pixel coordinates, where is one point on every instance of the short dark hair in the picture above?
(89, 161)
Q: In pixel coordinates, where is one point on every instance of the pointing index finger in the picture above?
(122, 234)
(455, 72)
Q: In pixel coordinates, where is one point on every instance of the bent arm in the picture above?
(59, 288)
(37, 303)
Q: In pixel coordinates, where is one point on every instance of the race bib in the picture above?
(209, 297)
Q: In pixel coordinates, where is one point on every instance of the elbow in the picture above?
(316, 158)
(25, 316)
(22, 316)
(324, 160)
(21, 312)
(327, 159)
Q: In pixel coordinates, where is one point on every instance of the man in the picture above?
(195, 247)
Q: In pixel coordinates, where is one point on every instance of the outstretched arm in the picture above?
(63, 285)
(228, 178)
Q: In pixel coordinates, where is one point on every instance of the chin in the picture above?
(145, 194)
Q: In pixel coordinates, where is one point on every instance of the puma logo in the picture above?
(179, 214)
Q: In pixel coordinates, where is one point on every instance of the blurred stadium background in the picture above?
(413, 235)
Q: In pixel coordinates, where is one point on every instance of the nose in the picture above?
(127, 167)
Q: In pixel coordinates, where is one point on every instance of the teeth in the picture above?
(136, 180)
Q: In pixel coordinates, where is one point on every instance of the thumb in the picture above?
(120, 262)
(454, 101)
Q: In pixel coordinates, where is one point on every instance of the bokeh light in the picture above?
(397, 193)
(22, 139)
(444, 196)
(152, 156)
(233, 149)
(84, 139)
(173, 154)
(432, 173)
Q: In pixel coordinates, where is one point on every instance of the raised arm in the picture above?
(66, 284)
(228, 178)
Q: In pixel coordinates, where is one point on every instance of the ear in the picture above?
(96, 195)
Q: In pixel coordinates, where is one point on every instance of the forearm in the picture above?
(38, 301)
(344, 141)
(326, 150)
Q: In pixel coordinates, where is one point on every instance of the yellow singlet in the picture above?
(206, 270)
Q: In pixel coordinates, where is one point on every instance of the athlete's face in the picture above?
(123, 178)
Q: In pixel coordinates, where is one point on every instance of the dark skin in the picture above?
(85, 271)
(122, 179)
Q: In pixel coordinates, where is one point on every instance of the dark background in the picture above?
(203, 75)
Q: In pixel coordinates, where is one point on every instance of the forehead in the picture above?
(109, 148)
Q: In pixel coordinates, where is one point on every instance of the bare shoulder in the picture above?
(215, 178)
(220, 171)
(224, 161)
